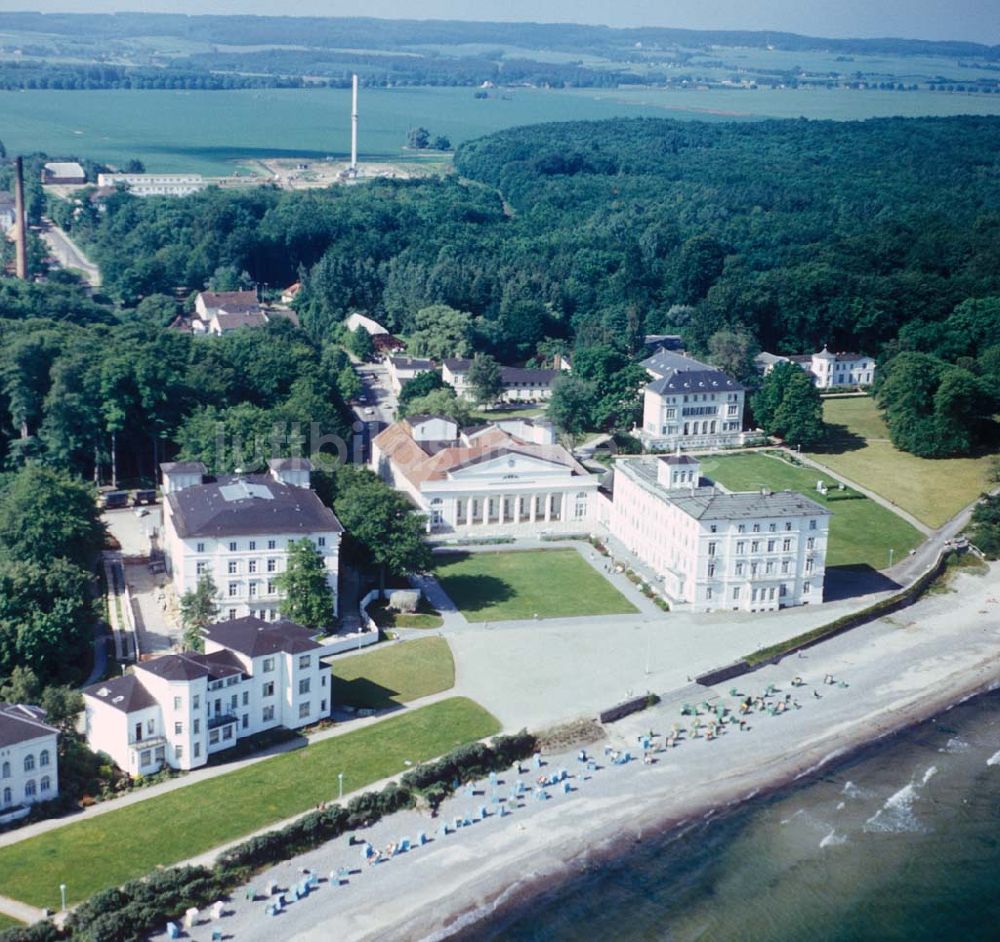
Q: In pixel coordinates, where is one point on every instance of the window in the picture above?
(268, 714)
(234, 590)
(756, 528)
(195, 702)
(268, 665)
(739, 569)
(29, 763)
(788, 526)
(711, 549)
(150, 726)
(200, 548)
(304, 661)
(741, 546)
(755, 546)
(708, 592)
(769, 567)
(784, 567)
(252, 566)
(177, 703)
(812, 524)
(197, 749)
(29, 788)
(270, 587)
(303, 710)
(178, 752)
(272, 565)
(321, 541)
(742, 528)
(806, 588)
(253, 545)
(213, 737)
(268, 689)
(246, 697)
(232, 614)
(303, 686)
(786, 545)
(196, 729)
(713, 528)
(322, 706)
(811, 543)
(770, 546)
(736, 594)
(322, 681)
(43, 758)
(227, 732)
(145, 757)
(253, 590)
(809, 565)
(233, 702)
(201, 567)
(246, 720)
(232, 547)
(178, 729)
(7, 796)
(771, 527)
(231, 567)
(272, 544)
(711, 570)
(6, 770)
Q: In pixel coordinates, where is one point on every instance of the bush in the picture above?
(39, 932)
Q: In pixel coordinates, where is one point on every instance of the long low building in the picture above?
(154, 184)
(176, 710)
(712, 549)
(520, 384)
(506, 476)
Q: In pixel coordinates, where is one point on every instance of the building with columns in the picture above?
(503, 477)
(713, 550)
(238, 528)
(689, 405)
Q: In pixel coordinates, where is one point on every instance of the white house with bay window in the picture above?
(502, 477)
(713, 550)
(238, 530)
(178, 709)
(28, 759)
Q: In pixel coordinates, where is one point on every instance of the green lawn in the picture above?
(394, 674)
(933, 490)
(423, 617)
(502, 586)
(7, 923)
(861, 531)
(107, 850)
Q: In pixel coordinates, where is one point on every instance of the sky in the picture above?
(975, 20)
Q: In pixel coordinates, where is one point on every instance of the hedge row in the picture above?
(129, 913)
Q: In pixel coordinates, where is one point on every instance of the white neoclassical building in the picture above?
(829, 370)
(689, 405)
(29, 767)
(238, 530)
(712, 549)
(178, 709)
(506, 476)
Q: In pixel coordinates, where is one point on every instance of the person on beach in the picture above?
(816, 694)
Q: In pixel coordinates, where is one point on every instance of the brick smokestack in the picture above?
(21, 269)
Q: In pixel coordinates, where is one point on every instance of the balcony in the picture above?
(222, 719)
(147, 742)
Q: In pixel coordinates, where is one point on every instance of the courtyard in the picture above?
(508, 586)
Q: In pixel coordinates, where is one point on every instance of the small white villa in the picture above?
(28, 760)
(178, 709)
(505, 476)
(829, 370)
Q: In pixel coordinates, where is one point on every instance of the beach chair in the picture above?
(538, 760)
(503, 811)
(567, 788)
(421, 838)
(251, 894)
(459, 822)
(466, 822)
(216, 909)
(216, 935)
(493, 779)
(470, 789)
(173, 930)
(404, 845)
(483, 813)
(443, 830)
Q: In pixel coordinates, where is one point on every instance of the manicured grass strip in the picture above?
(394, 674)
(933, 490)
(548, 583)
(861, 531)
(107, 850)
(7, 923)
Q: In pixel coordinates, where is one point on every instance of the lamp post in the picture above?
(340, 783)
(62, 895)
(890, 557)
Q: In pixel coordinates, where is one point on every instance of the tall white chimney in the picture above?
(354, 124)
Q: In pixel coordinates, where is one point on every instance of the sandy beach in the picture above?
(898, 671)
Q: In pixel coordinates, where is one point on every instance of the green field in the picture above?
(394, 674)
(513, 585)
(7, 923)
(210, 132)
(932, 489)
(109, 849)
(861, 531)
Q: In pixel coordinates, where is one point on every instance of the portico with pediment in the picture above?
(489, 481)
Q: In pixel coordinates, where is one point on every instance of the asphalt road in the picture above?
(68, 254)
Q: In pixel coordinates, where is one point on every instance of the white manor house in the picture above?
(828, 370)
(689, 405)
(712, 549)
(28, 760)
(238, 530)
(178, 709)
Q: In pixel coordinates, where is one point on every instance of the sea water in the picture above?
(902, 841)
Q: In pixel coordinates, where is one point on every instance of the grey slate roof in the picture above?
(247, 505)
(709, 503)
(22, 723)
(123, 693)
(687, 381)
(509, 375)
(184, 467)
(664, 360)
(190, 665)
(254, 637)
(679, 459)
(290, 464)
